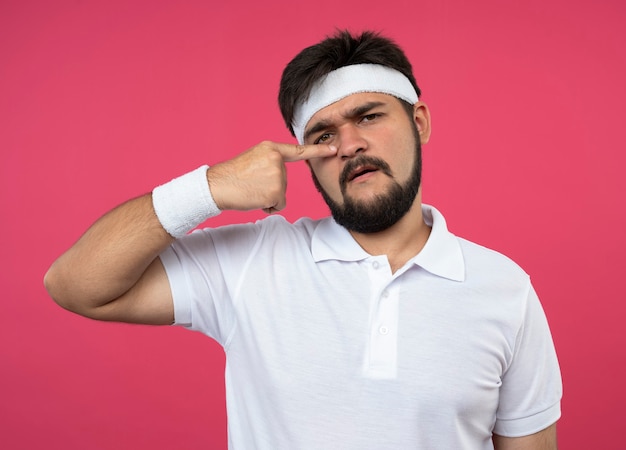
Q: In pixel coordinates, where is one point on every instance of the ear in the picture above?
(421, 116)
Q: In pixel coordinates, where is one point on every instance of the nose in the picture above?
(351, 141)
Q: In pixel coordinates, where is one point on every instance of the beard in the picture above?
(385, 208)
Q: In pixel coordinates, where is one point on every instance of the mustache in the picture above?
(364, 160)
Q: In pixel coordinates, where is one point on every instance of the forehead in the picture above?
(351, 104)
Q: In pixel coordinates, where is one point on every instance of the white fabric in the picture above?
(184, 202)
(350, 80)
(327, 349)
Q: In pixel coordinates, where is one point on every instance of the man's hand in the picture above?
(257, 178)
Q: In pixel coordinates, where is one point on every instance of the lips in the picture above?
(362, 170)
(361, 166)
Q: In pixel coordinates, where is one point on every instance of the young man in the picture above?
(376, 328)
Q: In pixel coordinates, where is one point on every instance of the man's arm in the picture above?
(543, 440)
(113, 271)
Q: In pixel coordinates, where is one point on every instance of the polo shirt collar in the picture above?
(332, 241)
(441, 256)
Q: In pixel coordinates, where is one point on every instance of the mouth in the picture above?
(361, 171)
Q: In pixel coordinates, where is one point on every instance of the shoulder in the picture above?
(280, 228)
(484, 257)
(269, 231)
(485, 267)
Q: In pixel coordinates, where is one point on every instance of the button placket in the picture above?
(382, 355)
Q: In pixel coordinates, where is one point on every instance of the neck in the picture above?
(400, 242)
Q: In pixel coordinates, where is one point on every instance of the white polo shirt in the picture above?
(327, 349)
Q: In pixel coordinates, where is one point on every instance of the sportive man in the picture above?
(374, 329)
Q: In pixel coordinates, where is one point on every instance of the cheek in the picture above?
(327, 177)
(322, 171)
(406, 157)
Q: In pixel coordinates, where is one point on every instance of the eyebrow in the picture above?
(350, 114)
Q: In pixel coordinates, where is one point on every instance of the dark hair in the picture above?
(342, 49)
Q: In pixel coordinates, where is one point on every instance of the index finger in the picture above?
(292, 152)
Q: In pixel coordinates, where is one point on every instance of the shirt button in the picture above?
(385, 294)
(375, 265)
(383, 330)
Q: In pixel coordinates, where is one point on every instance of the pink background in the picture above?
(101, 101)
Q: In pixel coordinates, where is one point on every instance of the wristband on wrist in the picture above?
(184, 203)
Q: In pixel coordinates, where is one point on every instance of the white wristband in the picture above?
(184, 203)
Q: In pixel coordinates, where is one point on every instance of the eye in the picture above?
(323, 138)
(370, 117)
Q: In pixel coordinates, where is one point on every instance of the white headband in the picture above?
(349, 80)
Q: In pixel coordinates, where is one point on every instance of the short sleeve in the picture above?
(203, 269)
(531, 391)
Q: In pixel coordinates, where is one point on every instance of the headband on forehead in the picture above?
(349, 80)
